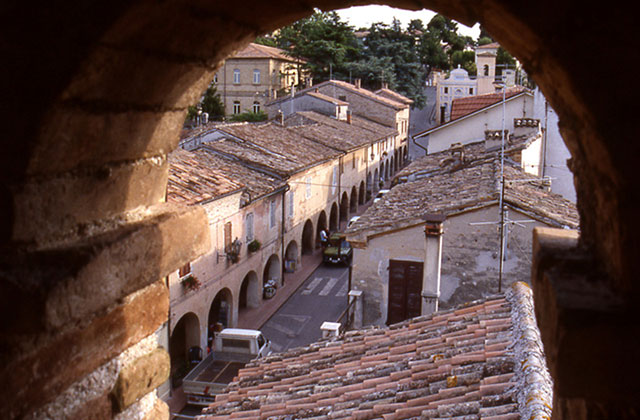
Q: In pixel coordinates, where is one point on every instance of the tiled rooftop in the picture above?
(257, 183)
(398, 105)
(393, 95)
(336, 133)
(193, 180)
(465, 106)
(254, 50)
(473, 154)
(480, 361)
(465, 188)
(274, 147)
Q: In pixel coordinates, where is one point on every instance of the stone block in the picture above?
(52, 363)
(47, 209)
(587, 329)
(140, 377)
(160, 411)
(76, 137)
(63, 287)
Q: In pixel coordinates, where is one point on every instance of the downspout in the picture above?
(284, 191)
(224, 91)
(426, 152)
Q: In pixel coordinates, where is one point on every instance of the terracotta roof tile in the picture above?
(451, 381)
(194, 180)
(263, 51)
(465, 106)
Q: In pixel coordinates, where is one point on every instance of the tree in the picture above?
(209, 103)
(324, 41)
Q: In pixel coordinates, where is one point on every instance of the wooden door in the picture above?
(405, 290)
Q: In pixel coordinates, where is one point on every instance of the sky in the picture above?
(364, 16)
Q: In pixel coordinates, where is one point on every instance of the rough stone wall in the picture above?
(470, 255)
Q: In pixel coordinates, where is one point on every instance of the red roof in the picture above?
(483, 360)
(465, 106)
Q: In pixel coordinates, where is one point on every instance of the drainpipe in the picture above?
(432, 263)
(426, 152)
(284, 191)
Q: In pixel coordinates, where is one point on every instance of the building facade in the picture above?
(255, 75)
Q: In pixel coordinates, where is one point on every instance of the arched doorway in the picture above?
(307, 237)
(272, 270)
(219, 313)
(322, 224)
(291, 256)
(369, 187)
(333, 218)
(353, 203)
(344, 208)
(249, 292)
(361, 194)
(376, 181)
(185, 335)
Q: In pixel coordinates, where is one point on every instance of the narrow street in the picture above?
(322, 297)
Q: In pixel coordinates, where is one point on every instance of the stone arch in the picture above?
(291, 255)
(307, 237)
(376, 181)
(220, 312)
(333, 218)
(250, 292)
(272, 270)
(353, 203)
(344, 208)
(87, 85)
(322, 224)
(185, 334)
(361, 194)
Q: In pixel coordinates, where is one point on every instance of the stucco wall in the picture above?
(371, 268)
(472, 129)
(470, 257)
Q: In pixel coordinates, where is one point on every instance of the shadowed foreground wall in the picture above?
(93, 97)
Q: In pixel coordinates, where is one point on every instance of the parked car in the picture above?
(352, 220)
(380, 194)
(338, 250)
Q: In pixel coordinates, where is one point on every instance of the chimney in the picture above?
(357, 82)
(349, 116)
(280, 118)
(385, 85)
(330, 329)
(432, 262)
(309, 81)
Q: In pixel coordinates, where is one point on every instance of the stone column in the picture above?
(432, 262)
(358, 308)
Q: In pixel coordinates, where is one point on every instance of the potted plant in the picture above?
(253, 246)
(233, 253)
(190, 282)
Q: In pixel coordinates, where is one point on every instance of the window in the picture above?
(256, 77)
(308, 187)
(291, 198)
(470, 91)
(249, 227)
(227, 236)
(215, 78)
(272, 214)
(353, 161)
(486, 69)
(185, 270)
(256, 106)
(334, 180)
(446, 90)
(342, 98)
(236, 107)
(236, 76)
